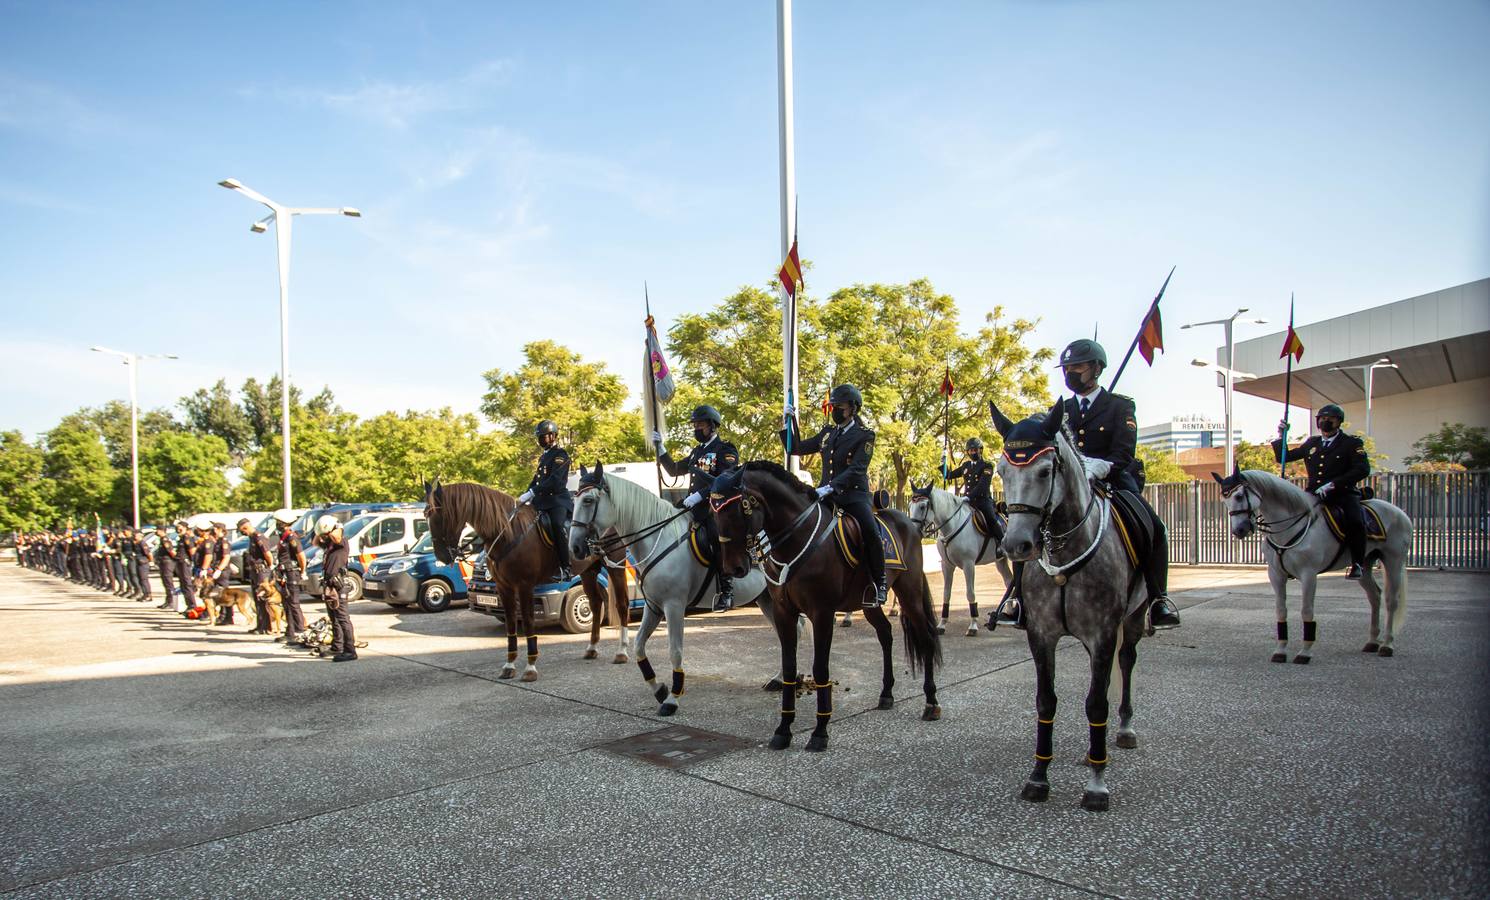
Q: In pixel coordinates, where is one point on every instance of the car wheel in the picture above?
(576, 615)
(434, 596)
(354, 586)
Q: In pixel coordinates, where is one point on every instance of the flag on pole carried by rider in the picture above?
(1292, 346)
(1151, 334)
(791, 271)
(946, 391)
(657, 383)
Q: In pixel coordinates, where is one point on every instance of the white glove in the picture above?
(692, 500)
(1282, 427)
(525, 497)
(1096, 469)
(656, 437)
(1324, 489)
(824, 491)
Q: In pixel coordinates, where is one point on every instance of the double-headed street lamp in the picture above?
(281, 216)
(132, 360)
(1367, 370)
(1227, 323)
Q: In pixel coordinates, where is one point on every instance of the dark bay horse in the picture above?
(517, 559)
(762, 509)
(1080, 582)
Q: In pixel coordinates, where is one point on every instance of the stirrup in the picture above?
(878, 599)
(724, 601)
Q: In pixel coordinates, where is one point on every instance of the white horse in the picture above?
(671, 579)
(1297, 543)
(960, 544)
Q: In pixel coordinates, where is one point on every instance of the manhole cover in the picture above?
(676, 746)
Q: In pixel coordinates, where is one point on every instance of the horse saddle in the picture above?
(1134, 525)
(1375, 531)
(847, 534)
(981, 524)
(698, 542)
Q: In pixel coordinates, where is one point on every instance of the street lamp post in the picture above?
(282, 216)
(1367, 371)
(1227, 324)
(132, 360)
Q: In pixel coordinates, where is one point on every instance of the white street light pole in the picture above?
(1227, 323)
(282, 216)
(132, 360)
(1367, 372)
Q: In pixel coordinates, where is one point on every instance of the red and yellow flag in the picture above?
(946, 389)
(1151, 334)
(791, 271)
(1292, 345)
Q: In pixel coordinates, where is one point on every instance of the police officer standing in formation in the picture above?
(186, 565)
(219, 566)
(847, 446)
(256, 565)
(976, 474)
(1337, 462)
(549, 492)
(290, 567)
(165, 563)
(141, 563)
(333, 544)
(710, 457)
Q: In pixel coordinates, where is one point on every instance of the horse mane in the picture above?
(779, 472)
(484, 509)
(634, 501)
(1272, 484)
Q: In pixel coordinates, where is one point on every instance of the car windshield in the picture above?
(266, 523)
(354, 527)
(425, 544)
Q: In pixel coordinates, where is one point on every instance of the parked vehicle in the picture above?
(369, 536)
(265, 526)
(415, 577)
(230, 519)
(561, 603)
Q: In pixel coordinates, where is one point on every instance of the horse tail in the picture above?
(922, 647)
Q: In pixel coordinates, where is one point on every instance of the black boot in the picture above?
(1162, 614)
(725, 599)
(881, 591)
(1355, 571)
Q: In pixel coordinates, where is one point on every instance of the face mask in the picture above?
(840, 415)
(974, 455)
(1328, 426)
(700, 434)
(1075, 382)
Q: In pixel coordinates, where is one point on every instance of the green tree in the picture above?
(112, 422)
(328, 464)
(410, 448)
(261, 407)
(214, 411)
(25, 495)
(182, 473)
(1160, 466)
(555, 383)
(1464, 445)
(1260, 456)
(78, 466)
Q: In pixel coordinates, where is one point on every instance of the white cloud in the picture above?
(397, 105)
(48, 110)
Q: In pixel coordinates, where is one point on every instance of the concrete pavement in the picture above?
(147, 755)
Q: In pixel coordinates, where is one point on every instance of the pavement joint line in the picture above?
(909, 839)
(305, 818)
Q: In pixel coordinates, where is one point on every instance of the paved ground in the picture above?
(146, 756)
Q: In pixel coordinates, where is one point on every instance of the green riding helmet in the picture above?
(974, 444)
(1330, 409)
(1084, 351)
(846, 393)
(707, 413)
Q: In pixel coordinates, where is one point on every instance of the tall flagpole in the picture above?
(788, 202)
(1287, 397)
(1111, 385)
(652, 383)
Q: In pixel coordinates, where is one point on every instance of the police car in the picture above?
(561, 603)
(415, 577)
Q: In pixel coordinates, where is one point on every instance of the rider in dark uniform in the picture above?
(847, 445)
(709, 459)
(549, 492)
(976, 474)
(1337, 462)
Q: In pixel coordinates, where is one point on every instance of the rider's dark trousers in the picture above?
(1347, 507)
(874, 551)
(556, 522)
(984, 505)
(1156, 567)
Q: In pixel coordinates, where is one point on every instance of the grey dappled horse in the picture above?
(657, 536)
(958, 541)
(1081, 583)
(1297, 543)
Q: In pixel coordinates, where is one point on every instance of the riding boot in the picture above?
(1003, 615)
(725, 599)
(881, 591)
(1162, 614)
(561, 548)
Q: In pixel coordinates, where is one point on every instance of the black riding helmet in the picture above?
(1330, 409)
(707, 413)
(547, 426)
(1083, 351)
(847, 393)
(974, 444)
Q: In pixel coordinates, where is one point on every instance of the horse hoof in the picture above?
(773, 685)
(1384, 651)
(621, 658)
(1302, 659)
(893, 613)
(1092, 801)
(886, 702)
(1127, 740)
(591, 654)
(941, 629)
(507, 673)
(660, 693)
(846, 623)
(667, 709)
(779, 741)
(1280, 656)
(530, 676)
(1371, 647)
(817, 743)
(932, 713)
(972, 630)
(1035, 791)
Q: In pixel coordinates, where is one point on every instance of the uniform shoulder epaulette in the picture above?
(1125, 397)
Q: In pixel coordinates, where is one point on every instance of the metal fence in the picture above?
(1450, 514)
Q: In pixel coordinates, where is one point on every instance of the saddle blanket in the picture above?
(1133, 525)
(1375, 531)
(980, 524)
(894, 553)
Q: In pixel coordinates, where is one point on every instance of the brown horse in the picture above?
(764, 510)
(518, 558)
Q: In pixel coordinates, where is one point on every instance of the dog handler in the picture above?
(290, 565)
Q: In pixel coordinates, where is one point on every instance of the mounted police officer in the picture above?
(711, 457)
(847, 446)
(549, 492)
(976, 474)
(1337, 462)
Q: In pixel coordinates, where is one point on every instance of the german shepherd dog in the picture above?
(217, 597)
(275, 603)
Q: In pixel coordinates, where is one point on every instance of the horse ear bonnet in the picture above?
(1230, 482)
(923, 491)
(1026, 439)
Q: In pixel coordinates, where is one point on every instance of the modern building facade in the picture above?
(1186, 433)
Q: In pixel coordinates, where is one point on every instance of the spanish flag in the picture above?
(791, 271)
(1151, 334)
(947, 387)
(1292, 346)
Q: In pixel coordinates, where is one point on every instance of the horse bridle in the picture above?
(760, 545)
(1264, 526)
(928, 526)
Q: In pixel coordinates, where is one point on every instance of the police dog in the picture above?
(218, 597)
(275, 603)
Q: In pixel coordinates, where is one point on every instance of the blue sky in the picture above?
(523, 168)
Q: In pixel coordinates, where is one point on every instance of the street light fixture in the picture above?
(132, 360)
(1228, 372)
(1367, 371)
(281, 216)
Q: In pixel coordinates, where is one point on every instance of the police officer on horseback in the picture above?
(976, 474)
(847, 445)
(711, 457)
(549, 492)
(1337, 462)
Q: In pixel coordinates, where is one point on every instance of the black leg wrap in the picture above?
(677, 682)
(1097, 753)
(1309, 631)
(824, 702)
(1282, 631)
(532, 648)
(973, 610)
(512, 643)
(1044, 746)
(645, 665)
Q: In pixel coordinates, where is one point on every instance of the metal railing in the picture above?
(1450, 514)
